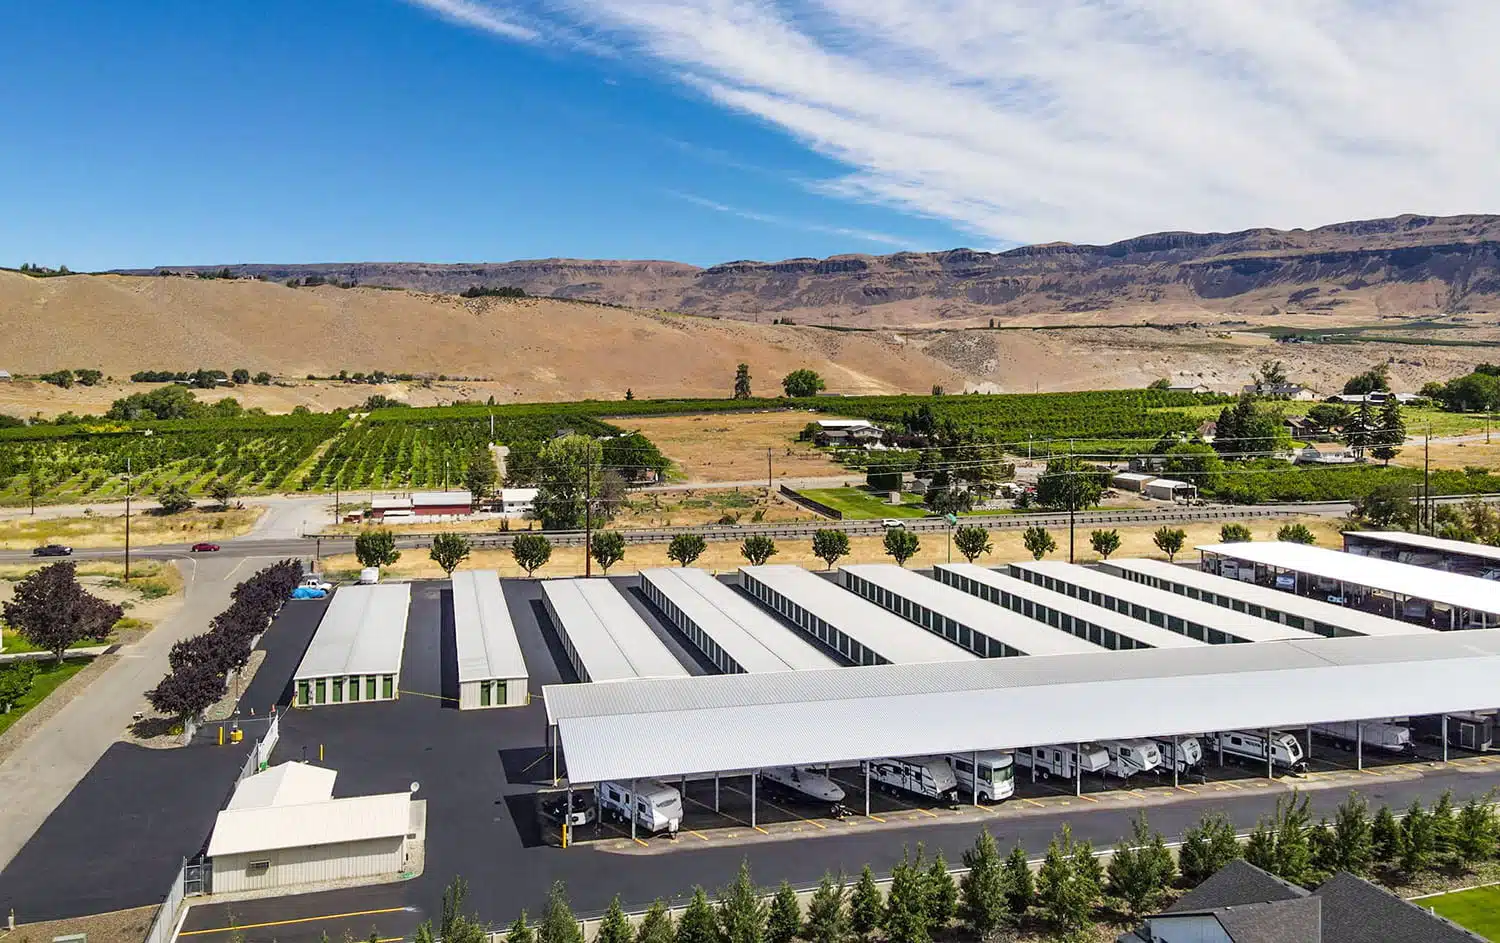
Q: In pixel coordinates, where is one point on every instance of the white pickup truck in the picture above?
(314, 581)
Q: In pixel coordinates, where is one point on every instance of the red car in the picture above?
(203, 548)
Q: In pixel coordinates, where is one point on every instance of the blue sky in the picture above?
(177, 132)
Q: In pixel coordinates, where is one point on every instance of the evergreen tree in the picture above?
(1064, 895)
(1020, 883)
(1475, 831)
(1444, 825)
(742, 381)
(1207, 847)
(520, 931)
(864, 905)
(982, 891)
(942, 894)
(559, 925)
(828, 913)
(1353, 847)
(1293, 850)
(1141, 867)
(1260, 847)
(614, 928)
(1418, 840)
(697, 923)
(1390, 431)
(784, 922)
(906, 905)
(1385, 837)
(1323, 850)
(742, 916)
(656, 925)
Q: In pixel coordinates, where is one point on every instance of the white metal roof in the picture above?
(518, 495)
(288, 784)
(245, 831)
(1132, 477)
(1002, 625)
(391, 504)
(1354, 620)
(641, 729)
(424, 499)
(1143, 632)
(750, 636)
(483, 634)
(881, 631)
(363, 632)
(611, 639)
(1451, 589)
(1400, 538)
(1241, 626)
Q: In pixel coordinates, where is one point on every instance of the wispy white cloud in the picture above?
(480, 16)
(1034, 120)
(774, 220)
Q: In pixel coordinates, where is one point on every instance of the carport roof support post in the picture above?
(1359, 745)
(1078, 769)
(1445, 738)
(1270, 756)
(866, 765)
(754, 778)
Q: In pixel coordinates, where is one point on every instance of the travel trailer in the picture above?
(1063, 761)
(1376, 734)
(1184, 753)
(1249, 746)
(801, 783)
(997, 775)
(1128, 757)
(1474, 731)
(926, 776)
(655, 806)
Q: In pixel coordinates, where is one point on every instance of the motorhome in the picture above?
(1064, 761)
(1474, 731)
(929, 777)
(1249, 746)
(801, 783)
(1376, 734)
(1183, 753)
(997, 775)
(654, 806)
(1128, 757)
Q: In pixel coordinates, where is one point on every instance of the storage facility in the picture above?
(491, 669)
(1165, 610)
(734, 634)
(284, 828)
(1168, 489)
(1458, 556)
(1299, 612)
(1104, 627)
(962, 619)
(355, 655)
(1465, 601)
(859, 630)
(604, 637)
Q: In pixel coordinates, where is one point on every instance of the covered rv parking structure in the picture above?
(962, 619)
(656, 729)
(734, 634)
(857, 629)
(1299, 612)
(1470, 602)
(1198, 620)
(356, 653)
(491, 669)
(1438, 553)
(1101, 626)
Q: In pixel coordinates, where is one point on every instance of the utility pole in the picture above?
(588, 515)
(1070, 530)
(1427, 478)
(768, 471)
(129, 481)
(336, 496)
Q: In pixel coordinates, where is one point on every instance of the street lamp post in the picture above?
(129, 483)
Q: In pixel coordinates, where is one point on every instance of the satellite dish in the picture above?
(415, 785)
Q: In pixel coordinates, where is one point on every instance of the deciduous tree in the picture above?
(1038, 542)
(607, 547)
(972, 541)
(685, 548)
(1296, 534)
(531, 551)
(801, 383)
(481, 475)
(901, 544)
(222, 491)
(830, 546)
(449, 550)
(1104, 542)
(53, 612)
(569, 472)
(758, 548)
(174, 499)
(376, 548)
(1169, 540)
(1235, 533)
(16, 680)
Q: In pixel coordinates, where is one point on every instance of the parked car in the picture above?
(369, 576)
(52, 550)
(892, 522)
(204, 547)
(582, 814)
(316, 582)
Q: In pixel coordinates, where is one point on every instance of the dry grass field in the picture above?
(98, 530)
(733, 446)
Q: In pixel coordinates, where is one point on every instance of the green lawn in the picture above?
(860, 505)
(49, 675)
(15, 644)
(1478, 909)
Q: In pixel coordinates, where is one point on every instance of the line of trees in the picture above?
(200, 666)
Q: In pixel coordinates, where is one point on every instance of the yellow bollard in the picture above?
(221, 735)
(320, 753)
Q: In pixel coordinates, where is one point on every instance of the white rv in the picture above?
(802, 783)
(927, 776)
(1063, 761)
(1128, 757)
(1249, 746)
(655, 806)
(1376, 734)
(1184, 753)
(997, 775)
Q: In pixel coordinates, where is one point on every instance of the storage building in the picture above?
(1131, 481)
(1299, 612)
(517, 500)
(355, 655)
(604, 637)
(957, 616)
(491, 669)
(1198, 620)
(1168, 489)
(859, 630)
(735, 634)
(393, 508)
(1099, 625)
(284, 828)
(442, 503)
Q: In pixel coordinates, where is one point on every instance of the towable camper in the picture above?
(654, 806)
(1471, 731)
(801, 783)
(1249, 746)
(1184, 753)
(1128, 757)
(1376, 734)
(1063, 761)
(928, 777)
(997, 775)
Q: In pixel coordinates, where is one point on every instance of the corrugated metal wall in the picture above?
(310, 865)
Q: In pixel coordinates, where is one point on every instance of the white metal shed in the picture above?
(355, 655)
(491, 668)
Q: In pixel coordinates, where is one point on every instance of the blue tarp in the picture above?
(308, 592)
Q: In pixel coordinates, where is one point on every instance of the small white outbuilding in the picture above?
(491, 669)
